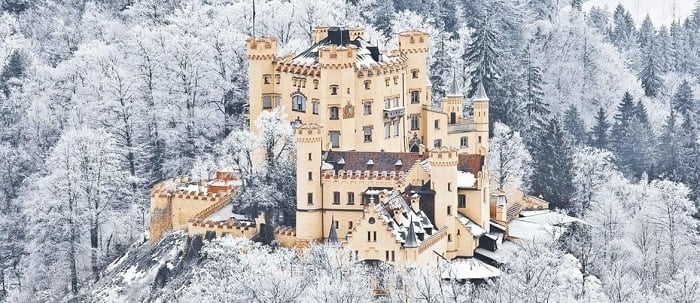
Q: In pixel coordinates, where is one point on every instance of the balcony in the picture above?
(394, 112)
(463, 127)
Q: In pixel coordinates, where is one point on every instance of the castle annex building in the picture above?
(382, 170)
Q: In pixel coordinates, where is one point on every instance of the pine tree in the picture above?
(577, 4)
(650, 76)
(535, 106)
(665, 50)
(15, 69)
(482, 56)
(623, 32)
(599, 135)
(553, 166)
(670, 149)
(685, 104)
(632, 139)
(574, 125)
(646, 33)
(440, 68)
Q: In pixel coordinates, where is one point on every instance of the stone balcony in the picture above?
(462, 127)
(394, 112)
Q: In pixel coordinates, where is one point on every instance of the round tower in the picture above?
(481, 119)
(262, 52)
(161, 213)
(443, 178)
(309, 195)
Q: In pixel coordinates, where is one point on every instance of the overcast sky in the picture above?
(661, 11)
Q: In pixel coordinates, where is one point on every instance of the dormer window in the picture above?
(334, 90)
(370, 162)
(414, 74)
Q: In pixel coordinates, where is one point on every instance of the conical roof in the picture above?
(411, 238)
(454, 89)
(480, 93)
(333, 233)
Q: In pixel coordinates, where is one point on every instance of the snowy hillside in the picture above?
(660, 11)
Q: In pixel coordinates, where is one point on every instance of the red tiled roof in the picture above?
(383, 161)
(470, 163)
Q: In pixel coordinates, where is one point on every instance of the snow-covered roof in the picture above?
(409, 222)
(469, 269)
(225, 213)
(465, 179)
(474, 228)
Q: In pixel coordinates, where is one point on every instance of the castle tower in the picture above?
(452, 104)
(481, 119)
(337, 62)
(261, 73)
(443, 175)
(309, 196)
(414, 45)
(161, 214)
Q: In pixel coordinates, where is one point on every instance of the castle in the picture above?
(381, 170)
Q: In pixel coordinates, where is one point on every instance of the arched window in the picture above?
(299, 103)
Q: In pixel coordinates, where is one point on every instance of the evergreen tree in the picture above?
(553, 166)
(440, 68)
(577, 4)
(623, 32)
(685, 104)
(574, 125)
(599, 136)
(15, 69)
(665, 50)
(670, 148)
(632, 139)
(536, 108)
(646, 33)
(16, 6)
(650, 76)
(482, 56)
(598, 19)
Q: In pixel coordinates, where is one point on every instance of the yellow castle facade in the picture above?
(382, 170)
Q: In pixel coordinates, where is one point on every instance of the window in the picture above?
(266, 79)
(415, 122)
(396, 128)
(309, 156)
(437, 124)
(349, 224)
(449, 210)
(396, 80)
(335, 113)
(336, 223)
(267, 101)
(310, 198)
(387, 129)
(334, 89)
(314, 104)
(277, 79)
(437, 143)
(336, 197)
(386, 81)
(315, 84)
(369, 236)
(386, 253)
(387, 103)
(449, 186)
(311, 176)
(367, 108)
(396, 102)
(367, 130)
(393, 256)
(415, 97)
(374, 236)
(299, 103)
(335, 139)
(368, 84)
(449, 237)
(414, 74)
(351, 198)
(461, 201)
(479, 139)
(463, 142)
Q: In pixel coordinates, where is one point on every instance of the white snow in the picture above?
(222, 214)
(468, 269)
(465, 179)
(660, 11)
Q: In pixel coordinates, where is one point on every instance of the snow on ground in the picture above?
(660, 11)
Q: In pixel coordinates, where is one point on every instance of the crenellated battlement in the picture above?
(309, 133)
(362, 175)
(413, 42)
(337, 57)
(262, 48)
(444, 156)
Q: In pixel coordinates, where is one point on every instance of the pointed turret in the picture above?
(411, 238)
(480, 94)
(333, 233)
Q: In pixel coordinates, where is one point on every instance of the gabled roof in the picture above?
(471, 163)
(381, 161)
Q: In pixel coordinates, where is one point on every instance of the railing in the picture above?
(394, 112)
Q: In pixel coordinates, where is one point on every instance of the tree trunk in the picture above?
(94, 244)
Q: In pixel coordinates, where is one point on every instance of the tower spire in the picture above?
(411, 238)
(454, 90)
(333, 233)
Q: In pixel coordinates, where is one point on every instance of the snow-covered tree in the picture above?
(508, 158)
